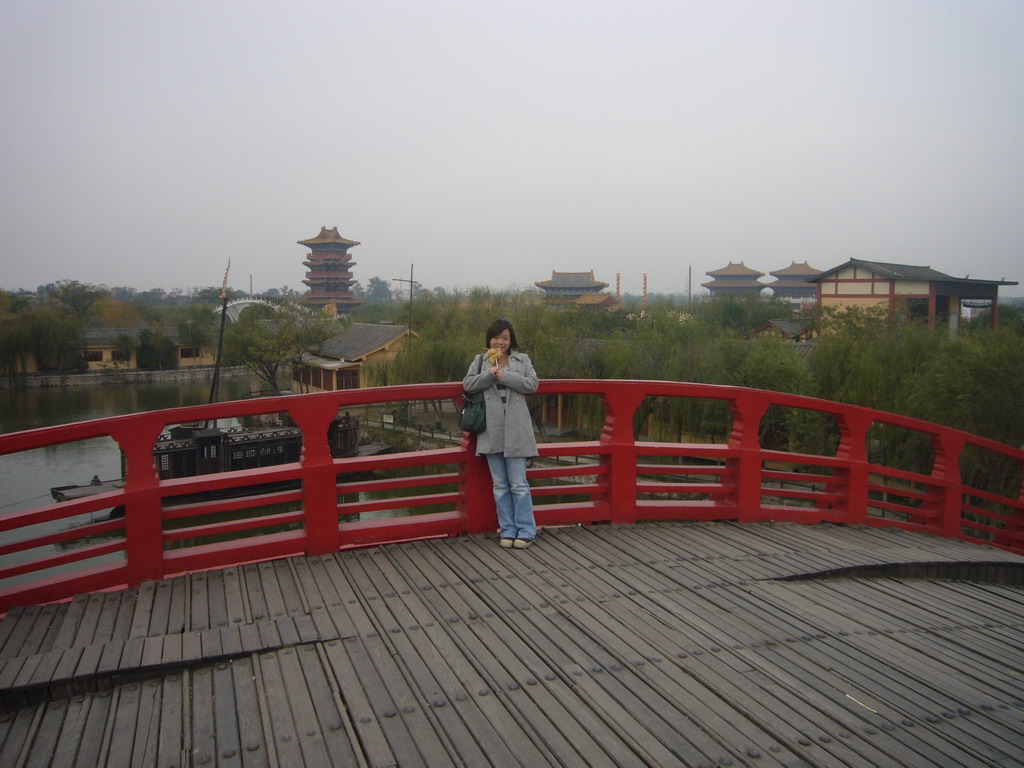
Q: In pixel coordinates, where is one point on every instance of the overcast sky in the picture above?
(490, 142)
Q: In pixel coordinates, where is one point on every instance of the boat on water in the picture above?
(187, 450)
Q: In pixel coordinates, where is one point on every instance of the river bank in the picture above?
(119, 377)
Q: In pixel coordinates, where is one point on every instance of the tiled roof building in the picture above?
(340, 361)
(735, 279)
(904, 288)
(793, 282)
(570, 285)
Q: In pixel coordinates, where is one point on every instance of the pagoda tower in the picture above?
(329, 275)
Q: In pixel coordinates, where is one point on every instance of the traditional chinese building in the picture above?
(329, 275)
(734, 280)
(340, 362)
(569, 286)
(918, 292)
(793, 283)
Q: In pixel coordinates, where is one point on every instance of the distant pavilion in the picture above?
(734, 280)
(329, 275)
(793, 283)
(570, 286)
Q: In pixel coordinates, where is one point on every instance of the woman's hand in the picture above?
(499, 372)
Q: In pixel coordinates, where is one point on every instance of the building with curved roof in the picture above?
(793, 283)
(737, 279)
(569, 286)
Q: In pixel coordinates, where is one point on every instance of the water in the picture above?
(26, 478)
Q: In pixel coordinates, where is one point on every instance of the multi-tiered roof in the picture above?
(329, 275)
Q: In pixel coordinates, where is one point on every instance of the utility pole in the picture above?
(411, 284)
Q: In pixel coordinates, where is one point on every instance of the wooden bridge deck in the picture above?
(654, 645)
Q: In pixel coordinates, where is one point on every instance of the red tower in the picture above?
(329, 275)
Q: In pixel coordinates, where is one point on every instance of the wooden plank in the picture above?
(217, 599)
(110, 661)
(62, 679)
(225, 715)
(104, 621)
(178, 606)
(72, 732)
(143, 610)
(328, 707)
(298, 686)
(18, 738)
(236, 612)
(336, 610)
(94, 732)
(7, 625)
(159, 614)
(171, 651)
(123, 622)
(255, 599)
(383, 734)
(199, 603)
(283, 733)
(317, 601)
(203, 726)
(271, 591)
(125, 715)
(248, 699)
(68, 633)
(171, 747)
(23, 623)
(230, 641)
(294, 600)
(46, 734)
(147, 723)
(42, 629)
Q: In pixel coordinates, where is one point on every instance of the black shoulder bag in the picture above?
(473, 416)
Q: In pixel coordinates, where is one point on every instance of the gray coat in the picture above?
(509, 428)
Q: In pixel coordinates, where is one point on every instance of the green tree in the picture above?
(76, 299)
(739, 314)
(156, 350)
(269, 337)
(197, 326)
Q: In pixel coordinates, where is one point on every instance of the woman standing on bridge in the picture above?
(505, 375)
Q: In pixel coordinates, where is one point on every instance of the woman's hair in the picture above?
(497, 327)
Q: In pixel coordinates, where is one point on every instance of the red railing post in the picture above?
(948, 446)
(620, 401)
(477, 490)
(853, 479)
(319, 479)
(143, 515)
(747, 409)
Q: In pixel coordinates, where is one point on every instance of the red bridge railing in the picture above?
(321, 504)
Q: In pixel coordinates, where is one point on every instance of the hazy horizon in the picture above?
(489, 143)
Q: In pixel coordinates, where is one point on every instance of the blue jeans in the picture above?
(512, 496)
